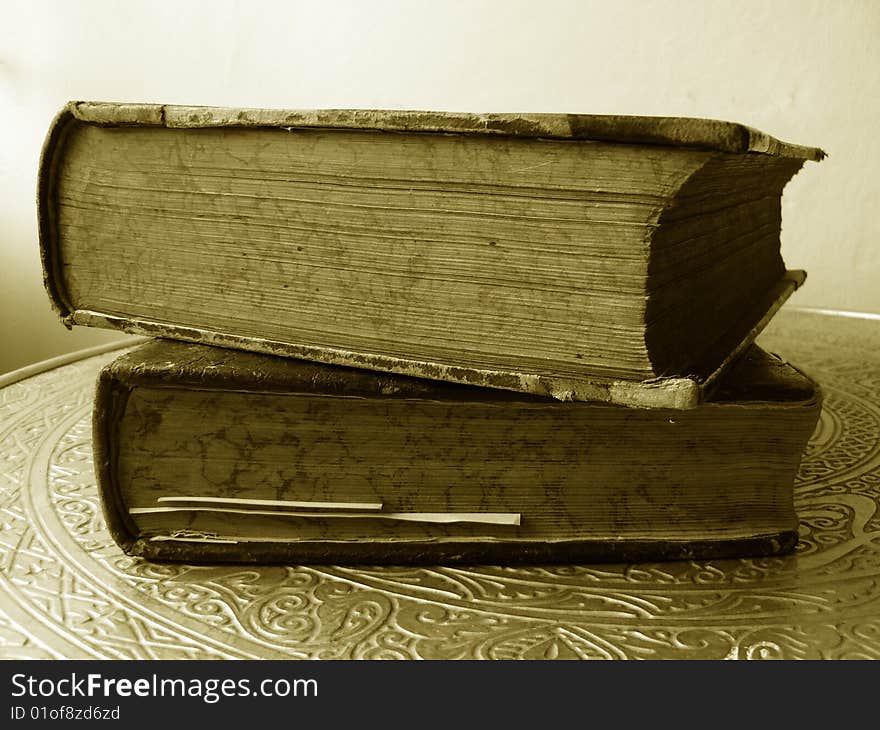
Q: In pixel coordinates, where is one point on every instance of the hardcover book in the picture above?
(205, 454)
(618, 259)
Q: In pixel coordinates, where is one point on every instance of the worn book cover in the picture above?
(605, 258)
(211, 454)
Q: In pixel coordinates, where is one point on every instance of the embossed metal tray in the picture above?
(67, 591)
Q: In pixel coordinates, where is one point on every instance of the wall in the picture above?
(806, 71)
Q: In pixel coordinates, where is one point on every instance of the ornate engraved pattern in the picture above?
(67, 591)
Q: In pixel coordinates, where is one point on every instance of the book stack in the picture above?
(428, 337)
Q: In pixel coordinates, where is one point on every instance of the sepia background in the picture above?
(807, 71)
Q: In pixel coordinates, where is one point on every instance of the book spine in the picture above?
(50, 256)
(110, 400)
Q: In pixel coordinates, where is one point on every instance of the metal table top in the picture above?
(66, 590)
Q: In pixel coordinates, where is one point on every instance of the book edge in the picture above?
(459, 551)
(676, 393)
(153, 366)
(713, 134)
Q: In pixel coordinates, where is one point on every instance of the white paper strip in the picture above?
(484, 518)
(273, 503)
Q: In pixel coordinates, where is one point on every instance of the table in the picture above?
(66, 590)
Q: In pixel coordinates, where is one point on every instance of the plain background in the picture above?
(807, 71)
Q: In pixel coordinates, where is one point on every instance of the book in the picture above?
(206, 454)
(620, 259)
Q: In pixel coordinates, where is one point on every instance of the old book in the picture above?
(620, 259)
(210, 454)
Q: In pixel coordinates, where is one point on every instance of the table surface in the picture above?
(66, 590)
